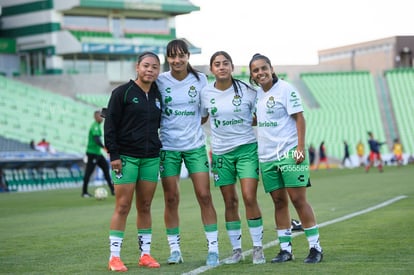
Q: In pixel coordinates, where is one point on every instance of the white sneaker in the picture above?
(236, 258)
(175, 258)
(258, 256)
(212, 259)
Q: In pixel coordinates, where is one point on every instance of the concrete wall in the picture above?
(70, 85)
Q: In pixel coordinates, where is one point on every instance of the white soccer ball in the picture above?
(101, 193)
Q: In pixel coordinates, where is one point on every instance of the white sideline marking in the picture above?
(274, 243)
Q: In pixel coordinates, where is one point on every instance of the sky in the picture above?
(290, 32)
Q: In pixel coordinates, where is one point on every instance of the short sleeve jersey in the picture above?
(93, 147)
(276, 128)
(231, 117)
(180, 119)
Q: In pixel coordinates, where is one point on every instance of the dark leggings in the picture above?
(94, 160)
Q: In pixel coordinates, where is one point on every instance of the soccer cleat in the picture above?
(296, 225)
(236, 258)
(86, 195)
(314, 256)
(212, 259)
(148, 261)
(258, 256)
(175, 258)
(282, 257)
(115, 264)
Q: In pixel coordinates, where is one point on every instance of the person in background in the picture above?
(323, 158)
(346, 154)
(32, 145)
(43, 146)
(183, 141)
(3, 184)
(131, 129)
(283, 164)
(360, 148)
(229, 103)
(374, 153)
(397, 150)
(312, 155)
(95, 156)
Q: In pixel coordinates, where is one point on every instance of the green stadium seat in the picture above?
(348, 109)
(401, 83)
(54, 117)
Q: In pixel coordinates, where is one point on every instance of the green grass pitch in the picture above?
(58, 232)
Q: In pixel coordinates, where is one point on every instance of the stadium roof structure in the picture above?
(173, 7)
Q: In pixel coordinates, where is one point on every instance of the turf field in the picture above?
(58, 232)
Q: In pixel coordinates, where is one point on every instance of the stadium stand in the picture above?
(348, 108)
(12, 145)
(401, 86)
(99, 100)
(28, 112)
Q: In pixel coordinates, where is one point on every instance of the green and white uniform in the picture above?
(180, 119)
(181, 134)
(230, 117)
(233, 139)
(277, 137)
(276, 128)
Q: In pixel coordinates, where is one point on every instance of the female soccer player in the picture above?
(283, 164)
(183, 140)
(230, 104)
(131, 137)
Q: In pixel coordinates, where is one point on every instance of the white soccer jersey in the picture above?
(180, 119)
(230, 117)
(276, 128)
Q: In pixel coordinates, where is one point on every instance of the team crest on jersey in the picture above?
(237, 102)
(270, 104)
(192, 92)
